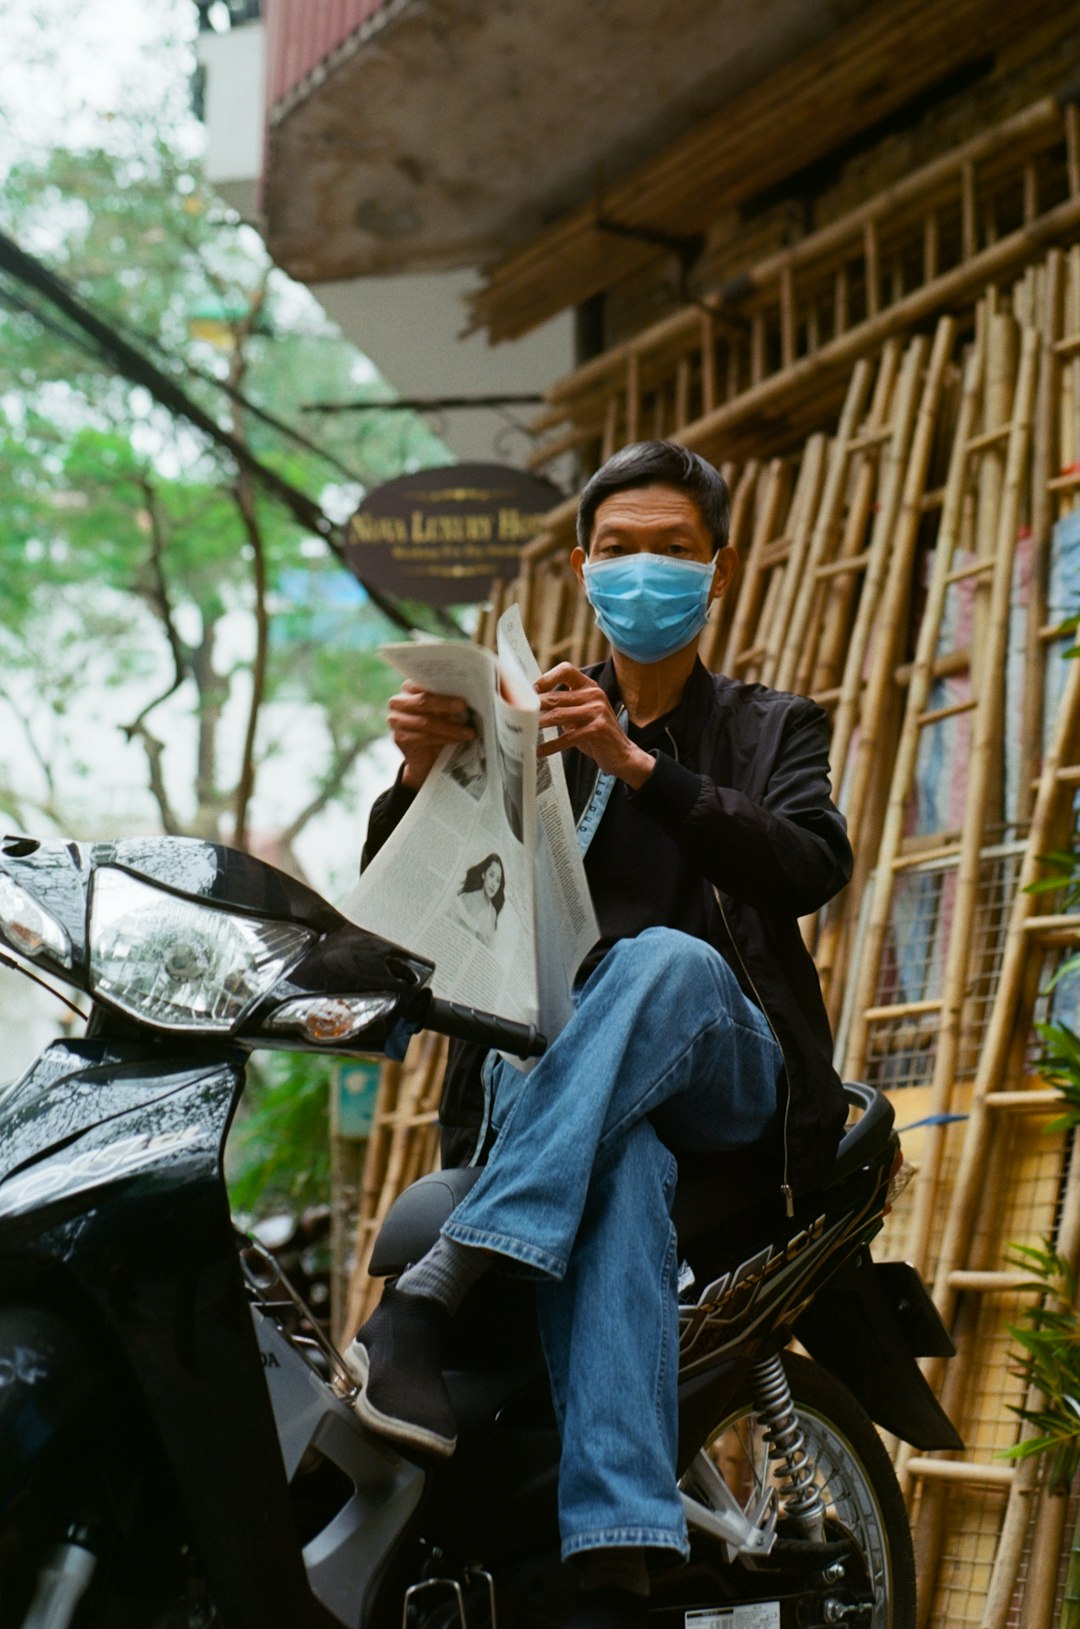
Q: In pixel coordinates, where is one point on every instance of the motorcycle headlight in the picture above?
(32, 931)
(179, 964)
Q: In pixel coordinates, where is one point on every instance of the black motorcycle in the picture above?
(177, 1442)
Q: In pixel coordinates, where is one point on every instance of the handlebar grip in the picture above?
(469, 1024)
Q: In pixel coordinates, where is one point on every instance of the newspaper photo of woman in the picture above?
(481, 897)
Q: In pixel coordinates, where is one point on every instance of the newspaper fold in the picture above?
(483, 874)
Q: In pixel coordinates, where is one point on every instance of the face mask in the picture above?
(649, 605)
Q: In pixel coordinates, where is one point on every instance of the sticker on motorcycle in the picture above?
(93, 1168)
(749, 1615)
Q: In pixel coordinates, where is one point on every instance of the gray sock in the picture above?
(445, 1274)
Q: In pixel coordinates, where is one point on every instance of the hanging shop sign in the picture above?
(442, 535)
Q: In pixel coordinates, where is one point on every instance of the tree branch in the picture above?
(154, 749)
(244, 498)
(157, 593)
(38, 756)
(331, 785)
(245, 786)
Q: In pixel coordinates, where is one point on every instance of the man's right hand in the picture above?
(422, 724)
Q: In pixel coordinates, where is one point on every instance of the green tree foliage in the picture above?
(1050, 1363)
(280, 1153)
(127, 543)
(147, 584)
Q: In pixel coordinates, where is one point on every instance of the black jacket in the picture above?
(745, 796)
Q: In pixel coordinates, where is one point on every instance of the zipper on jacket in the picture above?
(785, 1186)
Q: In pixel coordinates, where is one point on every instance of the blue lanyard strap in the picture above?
(594, 809)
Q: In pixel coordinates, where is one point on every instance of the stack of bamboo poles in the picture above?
(926, 244)
(403, 1145)
(897, 568)
(878, 62)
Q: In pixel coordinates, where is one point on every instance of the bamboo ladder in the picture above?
(960, 1280)
(988, 1167)
(862, 720)
(799, 527)
(993, 567)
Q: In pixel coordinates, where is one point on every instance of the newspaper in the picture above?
(483, 875)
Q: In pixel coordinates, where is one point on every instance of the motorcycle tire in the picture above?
(855, 1474)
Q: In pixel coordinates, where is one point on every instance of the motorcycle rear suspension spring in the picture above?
(796, 1472)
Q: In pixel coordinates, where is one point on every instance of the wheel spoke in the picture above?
(740, 1454)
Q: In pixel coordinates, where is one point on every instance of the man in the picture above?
(706, 810)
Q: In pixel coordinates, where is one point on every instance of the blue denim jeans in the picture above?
(578, 1189)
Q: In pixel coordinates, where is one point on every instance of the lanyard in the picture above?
(594, 809)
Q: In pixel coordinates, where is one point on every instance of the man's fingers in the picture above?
(561, 743)
(411, 698)
(563, 675)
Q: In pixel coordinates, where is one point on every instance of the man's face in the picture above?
(654, 519)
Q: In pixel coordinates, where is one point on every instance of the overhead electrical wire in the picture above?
(107, 343)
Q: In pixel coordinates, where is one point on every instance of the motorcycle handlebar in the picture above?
(469, 1024)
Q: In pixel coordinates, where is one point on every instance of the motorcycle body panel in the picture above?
(352, 1495)
(857, 1329)
(124, 1226)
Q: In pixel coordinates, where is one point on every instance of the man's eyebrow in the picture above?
(616, 527)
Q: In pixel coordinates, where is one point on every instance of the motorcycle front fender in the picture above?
(867, 1327)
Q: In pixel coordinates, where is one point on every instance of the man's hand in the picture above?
(422, 723)
(579, 709)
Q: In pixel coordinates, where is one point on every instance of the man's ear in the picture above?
(727, 564)
(577, 563)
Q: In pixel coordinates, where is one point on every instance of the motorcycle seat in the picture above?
(712, 1187)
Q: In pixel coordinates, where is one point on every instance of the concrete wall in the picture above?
(407, 325)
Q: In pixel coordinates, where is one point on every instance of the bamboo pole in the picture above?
(918, 692)
(903, 507)
(874, 581)
(1006, 1014)
(800, 529)
(825, 535)
(949, 291)
(538, 279)
(707, 332)
(772, 497)
(982, 768)
(820, 669)
(1042, 518)
(885, 593)
(1026, 1487)
(739, 537)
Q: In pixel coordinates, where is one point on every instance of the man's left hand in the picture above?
(576, 706)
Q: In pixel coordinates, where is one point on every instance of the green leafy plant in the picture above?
(1049, 1338)
(279, 1153)
(1059, 1066)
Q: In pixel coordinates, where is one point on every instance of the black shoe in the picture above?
(609, 1609)
(397, 1358)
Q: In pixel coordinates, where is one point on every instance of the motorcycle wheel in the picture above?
(854, 1473)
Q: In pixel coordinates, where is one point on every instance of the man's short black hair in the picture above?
(647, 463)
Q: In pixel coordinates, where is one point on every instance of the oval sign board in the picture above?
(442, 535)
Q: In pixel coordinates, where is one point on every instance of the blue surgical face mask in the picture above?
(649, 605)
